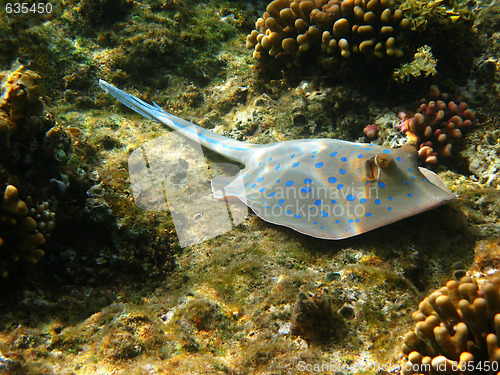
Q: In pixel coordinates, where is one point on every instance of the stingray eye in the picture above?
(382, 160)
(375, 164)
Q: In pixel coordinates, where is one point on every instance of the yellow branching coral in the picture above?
(19, 239)
(291, 28)
(457, 330)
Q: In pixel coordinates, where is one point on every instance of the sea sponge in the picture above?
(289, 29)
(436, 126)
(457, 330)
(19, 238)
(20, 93)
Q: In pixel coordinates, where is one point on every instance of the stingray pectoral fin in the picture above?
(223, 186)
(436, 180)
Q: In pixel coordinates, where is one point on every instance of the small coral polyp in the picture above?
(19, 239)
(457, 330)
(290, 29)
(436, 126)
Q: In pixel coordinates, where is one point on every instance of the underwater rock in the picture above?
(292, 29)
(19, 237)
(457, 325)
(436, 126)
(20, 93)
(316, 319)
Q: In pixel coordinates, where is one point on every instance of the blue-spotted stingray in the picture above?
(325, 188)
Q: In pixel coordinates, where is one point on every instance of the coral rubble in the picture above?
(290, 29)
(458, 327)
(437, 124)
(19, 238)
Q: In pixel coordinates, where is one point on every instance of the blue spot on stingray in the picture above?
(277, 167)
(263, 189)
(278, 181)
(337, 221)
(410, 170)
(246, 175)
(295, 165)
(270, 159)
(398, 158)
(360, 156)
(306, 190)
(410, 195)
(350, 197)
(342, 171)
(333, 201)
(381, 184)
(297, 216)
(313, 156)
(332, 180)
(408, 183)
(340, 186)
(367, 182)
(260, 179)
(267, 206)
(307, 181)
(319, 165)
(343, 158)
(351, 221)
(318, 202)
(378, 201)
(386, 151)
(391, 198)
(368, 214)
(259, 164)
(289, 212)
(366, 149)
(315, 223)
(292, 156)
(246, 184)
(333, 154)
(322, 228)
(252, 186)
(315, 152)
(357, 220)
(413, 177)
(272, 194)
(389, 208)
(324, 214)
(289, 183)
(281, 201)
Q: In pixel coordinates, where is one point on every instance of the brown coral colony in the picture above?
(19, 240)
(436, 126)
(457, 330)
(289, 28)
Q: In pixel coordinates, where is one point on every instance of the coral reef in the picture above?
(19, 238)
(436, 126)
(288, 30)
(20, 93)
(457, 330)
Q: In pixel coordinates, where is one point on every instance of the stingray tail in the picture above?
(228, 147)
